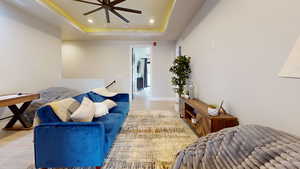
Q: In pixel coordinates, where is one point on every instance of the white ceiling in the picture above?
(180, 18)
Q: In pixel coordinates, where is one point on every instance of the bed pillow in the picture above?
(64, 108)
(101, 109)
(104, 92)
(109, 103)
(85, 112)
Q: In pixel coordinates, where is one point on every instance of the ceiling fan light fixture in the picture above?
(90, 20)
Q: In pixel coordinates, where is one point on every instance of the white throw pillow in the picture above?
(101, 109)
(104, 92)
(109, 103)
(85, 112)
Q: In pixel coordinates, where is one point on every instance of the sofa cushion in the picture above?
(112, 122)
(96, 97)
(122, 97)
(121, 108)
(47, 115)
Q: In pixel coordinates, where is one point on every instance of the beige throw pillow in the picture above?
(101, 109)
(85, 112)
(104, 92)
(64, 108)
(109, 103)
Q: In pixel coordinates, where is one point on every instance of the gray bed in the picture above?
(47, 96)
(242, 147)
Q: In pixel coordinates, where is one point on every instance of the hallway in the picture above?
(142, 101)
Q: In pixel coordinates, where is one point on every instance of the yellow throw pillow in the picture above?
(85, 112)
(64, 108)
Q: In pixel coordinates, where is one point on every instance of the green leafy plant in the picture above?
(181, 70)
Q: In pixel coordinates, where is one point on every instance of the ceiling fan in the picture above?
(109, 6)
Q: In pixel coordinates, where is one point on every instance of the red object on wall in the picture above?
(154, 43)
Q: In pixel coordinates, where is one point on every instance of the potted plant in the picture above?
(181, 71)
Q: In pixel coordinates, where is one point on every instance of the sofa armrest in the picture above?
(70, 144)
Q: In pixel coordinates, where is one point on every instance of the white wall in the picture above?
(30, 52)
(162, 58)
(238, 47)
(142, 52)
(111, 60)
(97, 59)
(81, 85)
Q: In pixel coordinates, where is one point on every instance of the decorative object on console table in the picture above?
(195, 113)
(11, 102)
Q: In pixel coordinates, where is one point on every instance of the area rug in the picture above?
(149, 140)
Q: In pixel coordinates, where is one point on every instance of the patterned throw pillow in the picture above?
(85, 112)
(104, 92)
(64, 108)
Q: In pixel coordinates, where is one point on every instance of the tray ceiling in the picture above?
(158, 11)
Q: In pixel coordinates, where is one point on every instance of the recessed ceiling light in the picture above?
(90, 20)
(151, 21)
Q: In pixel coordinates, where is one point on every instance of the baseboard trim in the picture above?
(163, 98)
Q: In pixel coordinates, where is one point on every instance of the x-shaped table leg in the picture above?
(18, 115)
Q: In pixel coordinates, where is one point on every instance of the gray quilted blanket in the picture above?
(47, 96)
(242, 147)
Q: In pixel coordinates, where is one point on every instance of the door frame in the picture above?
(131, 47)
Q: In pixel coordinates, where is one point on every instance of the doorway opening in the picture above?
(141, 72)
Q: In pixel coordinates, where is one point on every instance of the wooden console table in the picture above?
(205, 123)
(11, 102)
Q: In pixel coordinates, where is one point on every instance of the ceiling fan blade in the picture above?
(107, 15)
(127, 10)
(119, 15)
(100, 1)
(116, 2)
(106, 6)
(107, 2)
(87, 2)
(95, 10)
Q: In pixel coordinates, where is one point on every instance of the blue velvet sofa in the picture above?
(60, 144)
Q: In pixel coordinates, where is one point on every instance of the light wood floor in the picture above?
(140, 102)
(7, 136)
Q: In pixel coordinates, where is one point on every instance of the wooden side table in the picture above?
(205, 123)
(11, 102)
